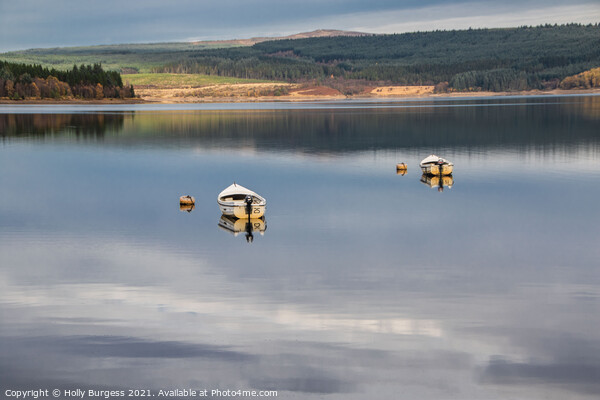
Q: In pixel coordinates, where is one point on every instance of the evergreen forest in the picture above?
(20, 81)
(475, 59)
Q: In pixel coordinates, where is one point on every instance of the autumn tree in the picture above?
(99, 92)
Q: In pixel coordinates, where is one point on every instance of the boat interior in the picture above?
(240, 197)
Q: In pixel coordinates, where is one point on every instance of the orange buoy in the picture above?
(187, 200)
(401, 168)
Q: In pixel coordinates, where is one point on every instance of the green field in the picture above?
(179, 80)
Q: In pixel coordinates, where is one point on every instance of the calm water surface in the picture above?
(365, 284)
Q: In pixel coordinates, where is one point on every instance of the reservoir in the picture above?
(361, 283)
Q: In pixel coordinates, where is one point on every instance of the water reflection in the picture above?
(235, 226)
(64, 125)
(187, 207)
(545, 122)
(353, 302)
(439, 182)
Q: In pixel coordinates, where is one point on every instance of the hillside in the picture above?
(479, 59)
(303, 35)
(125, 58)
(507, 59)
(136, 58)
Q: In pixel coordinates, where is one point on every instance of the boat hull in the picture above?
(437, 169)
(241, 211)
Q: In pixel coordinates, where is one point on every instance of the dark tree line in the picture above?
(475, 59)
(253, 67)
(19, 81)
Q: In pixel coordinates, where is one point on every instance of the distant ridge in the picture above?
(498, 59)
(302, 35)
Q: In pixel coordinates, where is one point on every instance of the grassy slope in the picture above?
(179, 80)
(142, 57)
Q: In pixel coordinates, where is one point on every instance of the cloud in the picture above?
(464, 16)
(314, 384)
(577, 377)
(131, 347)
(36, 24)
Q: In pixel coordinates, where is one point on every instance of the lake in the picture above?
(360, 283)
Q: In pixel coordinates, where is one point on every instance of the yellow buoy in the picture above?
(187, 200)
(401, 168)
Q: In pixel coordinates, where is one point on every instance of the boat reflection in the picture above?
(439, 182)
(249, 226)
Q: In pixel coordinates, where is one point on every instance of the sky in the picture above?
(55, 23)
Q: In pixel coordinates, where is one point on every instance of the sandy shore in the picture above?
(238, 94)
(74, 101)
(291, 93)
(250, 93)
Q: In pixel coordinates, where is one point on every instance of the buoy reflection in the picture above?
(186, 207)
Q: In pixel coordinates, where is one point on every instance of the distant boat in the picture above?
(240, 202)
(434, 165)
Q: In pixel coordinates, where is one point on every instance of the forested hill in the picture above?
(475, 59)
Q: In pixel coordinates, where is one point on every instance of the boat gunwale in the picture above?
(242, 203)
(242, 191)
(423, 164)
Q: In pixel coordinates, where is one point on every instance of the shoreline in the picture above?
(72, 101)
(302, 98)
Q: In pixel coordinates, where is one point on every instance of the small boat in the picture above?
(240, 202)
(434, 165)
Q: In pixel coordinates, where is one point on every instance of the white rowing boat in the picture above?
(434, 165)
(240, 202)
